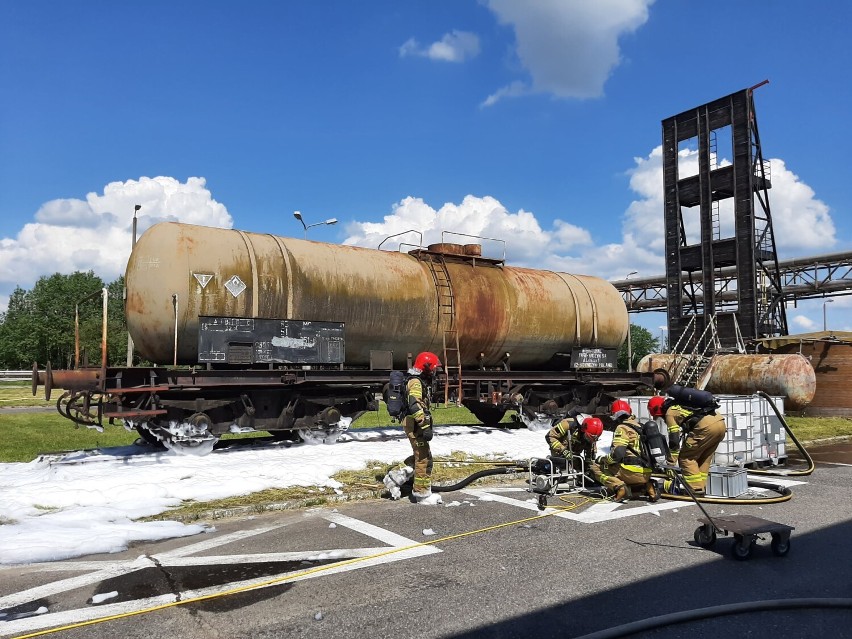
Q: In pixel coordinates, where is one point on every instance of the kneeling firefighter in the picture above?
(418, 427)
(575, 437)
(624, 472)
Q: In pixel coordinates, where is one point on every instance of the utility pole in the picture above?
(132, 246)
(629, 326)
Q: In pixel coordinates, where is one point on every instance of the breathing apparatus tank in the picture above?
(692, 397)
(655, 443)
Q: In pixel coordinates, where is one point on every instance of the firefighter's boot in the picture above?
(620, 495)
(651, 491)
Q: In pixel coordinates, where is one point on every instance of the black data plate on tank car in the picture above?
(246, 340)
(594, 358)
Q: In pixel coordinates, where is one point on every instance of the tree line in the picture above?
(38, 325)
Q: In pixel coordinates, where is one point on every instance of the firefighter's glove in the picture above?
(425, 428)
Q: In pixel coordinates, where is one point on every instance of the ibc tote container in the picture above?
(769, 437)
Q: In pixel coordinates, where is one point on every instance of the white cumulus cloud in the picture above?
(456, 46)
(521, 235)
(568, 47)
(96, 233)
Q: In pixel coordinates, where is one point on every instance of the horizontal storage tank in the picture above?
(830, 354)
(789, 375)
(386, 300)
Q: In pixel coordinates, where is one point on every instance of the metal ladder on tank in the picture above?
(447, 319)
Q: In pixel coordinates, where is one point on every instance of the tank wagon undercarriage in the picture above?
(189, 410)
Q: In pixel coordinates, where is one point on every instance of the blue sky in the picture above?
(537, 122)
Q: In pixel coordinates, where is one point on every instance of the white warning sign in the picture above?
(235, 286)
(202, 278)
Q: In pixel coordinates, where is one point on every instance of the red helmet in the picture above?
(655, 405)
(427, 362)
(620, 408)
(592, 427)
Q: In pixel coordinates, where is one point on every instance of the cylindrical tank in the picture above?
(387, 300)
(788, 375)
(830, 353)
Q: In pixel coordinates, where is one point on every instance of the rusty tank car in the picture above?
(251, 331)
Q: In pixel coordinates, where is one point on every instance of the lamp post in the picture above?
(629, 327)
(298, 216)
(663, 330)
(132, 246)
(824, 322)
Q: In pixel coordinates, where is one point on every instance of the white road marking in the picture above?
(596, 513)
(109, 569)
(399, 548)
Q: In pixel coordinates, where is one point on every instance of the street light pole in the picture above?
(824, 322)
(132, 246)
(629, 326)
(298, 216)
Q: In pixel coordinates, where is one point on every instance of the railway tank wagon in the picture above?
(387, 300)
(509, 329)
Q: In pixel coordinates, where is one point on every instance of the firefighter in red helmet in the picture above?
(575, 437)
(418, 425)
(702, 434)
(623, 472)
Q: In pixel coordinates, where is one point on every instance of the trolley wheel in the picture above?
(542, 502)
(705, 536)
(742, 548)
(780, 545)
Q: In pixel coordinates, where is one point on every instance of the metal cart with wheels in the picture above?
(745, 528)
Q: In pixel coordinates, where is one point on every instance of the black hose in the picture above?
(801, 448)
(784, 494)
(504, 470)
(685, 616)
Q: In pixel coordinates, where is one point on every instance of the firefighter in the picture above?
(623, 471)
(702, 434)
(575, 437)
(418, 427)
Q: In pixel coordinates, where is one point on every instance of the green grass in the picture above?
(809, 429)
(24, 436)
(21, 394)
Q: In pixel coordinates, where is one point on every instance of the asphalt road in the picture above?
(488, 566)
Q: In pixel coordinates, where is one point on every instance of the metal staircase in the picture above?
(691, 368)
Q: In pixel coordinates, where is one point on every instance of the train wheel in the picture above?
(315, 436)
(149, 437)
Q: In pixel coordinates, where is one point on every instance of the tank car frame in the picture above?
(191, 408)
